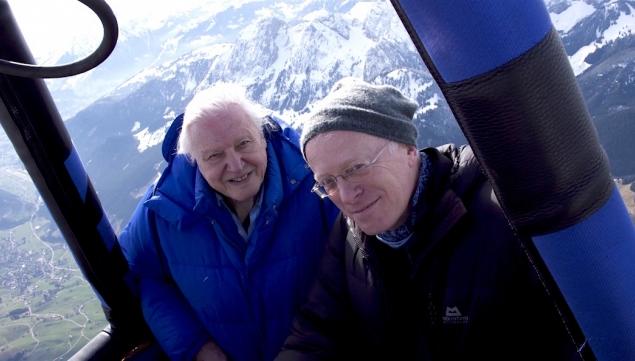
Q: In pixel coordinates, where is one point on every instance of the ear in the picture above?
(413, 155)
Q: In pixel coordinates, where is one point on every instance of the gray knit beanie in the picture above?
(352, 104)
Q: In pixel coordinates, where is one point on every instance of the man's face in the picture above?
(231, 154)
(379, 199)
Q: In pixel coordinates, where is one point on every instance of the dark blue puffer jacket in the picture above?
(197, 278)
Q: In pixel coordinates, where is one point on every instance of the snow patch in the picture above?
(361, 10)
(314, 15)
(577, 60)
(567, 19)
(205, 40)
(432, 103)
(149, 139)
(169, 114)
(622, 27)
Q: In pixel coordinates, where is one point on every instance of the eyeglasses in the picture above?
(327, 186)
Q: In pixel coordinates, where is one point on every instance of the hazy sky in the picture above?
(50, 26)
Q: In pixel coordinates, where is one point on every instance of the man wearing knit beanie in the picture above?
(379, 110)
(421, 264)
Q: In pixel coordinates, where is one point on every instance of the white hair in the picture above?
(208, 103)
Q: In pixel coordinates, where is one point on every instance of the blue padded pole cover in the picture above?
(468, 38)
(36, 130)
(507, 79)
(592, 262)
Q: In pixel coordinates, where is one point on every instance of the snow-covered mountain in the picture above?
(157, 39)
(143, 43)
(285, 63)
(599, 37)
(288, 55)
(589, 25)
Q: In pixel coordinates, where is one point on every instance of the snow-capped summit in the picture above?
(289, 55)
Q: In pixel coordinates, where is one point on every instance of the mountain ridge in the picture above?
(287, 58)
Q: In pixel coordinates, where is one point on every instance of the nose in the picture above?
(347, 191)
(235, 162)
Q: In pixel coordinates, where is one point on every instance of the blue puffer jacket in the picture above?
(197, 278)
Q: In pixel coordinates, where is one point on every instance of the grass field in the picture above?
(62, 314)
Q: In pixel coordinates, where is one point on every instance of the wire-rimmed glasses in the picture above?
(327, 186)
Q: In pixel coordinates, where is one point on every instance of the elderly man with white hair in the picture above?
(224, 246)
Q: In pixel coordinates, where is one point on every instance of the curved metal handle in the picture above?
(107, 45)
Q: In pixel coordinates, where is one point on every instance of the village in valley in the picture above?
(43, 296)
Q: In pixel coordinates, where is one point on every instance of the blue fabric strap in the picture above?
(466, 38)
(592, 262)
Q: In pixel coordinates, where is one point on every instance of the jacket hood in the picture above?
(454, 174)
(454, 166)
(182, 194)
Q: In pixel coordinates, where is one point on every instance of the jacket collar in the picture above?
(445, 206)
(444, 209)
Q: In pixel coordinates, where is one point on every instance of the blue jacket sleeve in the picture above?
(167, 313)
(179, 333)
(322, 328)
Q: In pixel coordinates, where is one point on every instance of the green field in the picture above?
(61, 311)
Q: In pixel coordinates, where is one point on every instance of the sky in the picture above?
(51, 26)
